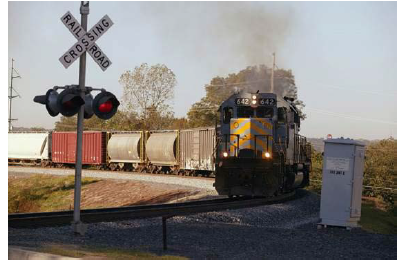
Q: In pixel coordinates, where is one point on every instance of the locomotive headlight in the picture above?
(225, 154)
(267, 155)
(254, 97)
(254, 102)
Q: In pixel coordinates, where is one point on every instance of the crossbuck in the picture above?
(86, 41)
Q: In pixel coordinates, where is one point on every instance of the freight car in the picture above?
(63, 150)
(185, 152)
(29, 148)
(260, 152)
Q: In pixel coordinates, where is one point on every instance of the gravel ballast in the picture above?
(279, 231)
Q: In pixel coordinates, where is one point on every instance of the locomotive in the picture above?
(259, 150)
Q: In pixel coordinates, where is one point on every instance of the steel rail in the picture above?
(46, 219)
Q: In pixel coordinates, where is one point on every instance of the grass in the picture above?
(105, 253)
(374, 217)
(42, 193)
(377, 220)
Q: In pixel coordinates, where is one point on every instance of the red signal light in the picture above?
(105, 107)
(68, 104)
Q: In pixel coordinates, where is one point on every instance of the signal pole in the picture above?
(272, 77)
(78, 226)
(73, 99)
(10, 96)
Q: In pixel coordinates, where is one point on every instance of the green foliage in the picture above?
(317, 172)
(123, 121)
(380, 171)
(251, 79)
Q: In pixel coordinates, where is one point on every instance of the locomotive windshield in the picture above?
(245, 112)
(264, 112)
(259, 112)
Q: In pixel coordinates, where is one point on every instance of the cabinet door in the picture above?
(356, 203)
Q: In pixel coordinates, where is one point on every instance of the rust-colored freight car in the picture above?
(94, 147)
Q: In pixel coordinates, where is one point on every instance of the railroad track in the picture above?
(33, 220)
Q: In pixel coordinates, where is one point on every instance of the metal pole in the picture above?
(10, 96)
(78, 226)
(272, 78)
(165, 247)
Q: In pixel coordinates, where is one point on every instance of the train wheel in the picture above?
(113, 167)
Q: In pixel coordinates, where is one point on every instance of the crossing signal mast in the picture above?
(10, 96)
(77, 99)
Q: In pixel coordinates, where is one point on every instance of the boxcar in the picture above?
(94, 147)
(197, 147)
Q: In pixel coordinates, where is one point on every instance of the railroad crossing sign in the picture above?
(86, 41)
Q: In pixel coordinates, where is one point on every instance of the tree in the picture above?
(37, 129)
(147, 92)
(66, 123)
(380, 171)
(251, 79)
(121, 121)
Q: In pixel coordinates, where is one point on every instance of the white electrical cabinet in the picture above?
(341, 193)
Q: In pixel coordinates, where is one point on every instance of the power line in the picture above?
(335, 114)
(346, 89)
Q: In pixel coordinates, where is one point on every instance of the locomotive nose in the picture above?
(251, 137)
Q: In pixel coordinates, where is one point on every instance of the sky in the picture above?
(343, 54)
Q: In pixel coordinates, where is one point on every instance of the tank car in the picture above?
(259, 150)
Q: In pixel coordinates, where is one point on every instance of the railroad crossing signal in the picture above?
(86, 41)
(77, 98)
(69, 101)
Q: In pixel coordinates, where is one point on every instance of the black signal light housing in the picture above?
(69, 102)
(105, 105)
(50, 100)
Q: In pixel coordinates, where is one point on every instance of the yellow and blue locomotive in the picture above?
(259, 151)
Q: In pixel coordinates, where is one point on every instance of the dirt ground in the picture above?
(108, 193)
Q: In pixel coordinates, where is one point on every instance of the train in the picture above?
(254, 150)
(260, 151)
(185, 152)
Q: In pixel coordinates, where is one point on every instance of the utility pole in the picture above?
(78, 226)
(272, 77)
(10, 96)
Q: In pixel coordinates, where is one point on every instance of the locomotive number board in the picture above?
(261, 101)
